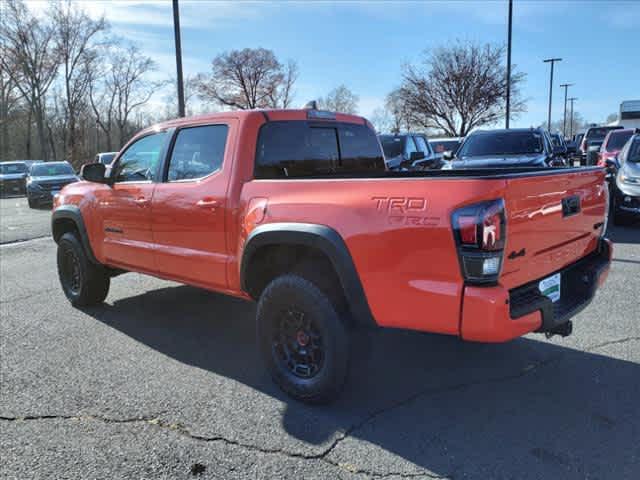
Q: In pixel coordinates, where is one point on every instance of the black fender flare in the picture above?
(322, 238)
(71, 212)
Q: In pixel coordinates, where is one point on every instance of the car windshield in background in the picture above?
(634, 152)
(107, 158)
(44, 170)
(555, 139)
(441, 146)
(617, 140)
(501, 143)
(391, 145)
(600, 133)
(8, 169)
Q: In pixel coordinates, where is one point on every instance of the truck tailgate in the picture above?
(552, 221)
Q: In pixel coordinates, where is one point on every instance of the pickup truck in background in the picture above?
(295, 209)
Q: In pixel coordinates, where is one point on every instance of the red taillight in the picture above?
(468, 229)
(480, 235)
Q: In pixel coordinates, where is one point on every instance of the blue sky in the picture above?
(364, 44)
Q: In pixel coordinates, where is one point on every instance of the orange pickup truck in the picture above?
(294, 209)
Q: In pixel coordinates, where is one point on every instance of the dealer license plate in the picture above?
(550, 287)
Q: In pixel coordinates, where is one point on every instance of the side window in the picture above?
(197, 152)
(139, 162)
(409, 147)
(422, 146)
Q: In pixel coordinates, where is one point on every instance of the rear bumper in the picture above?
(496, 314)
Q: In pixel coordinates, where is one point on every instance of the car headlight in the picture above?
(624, 178)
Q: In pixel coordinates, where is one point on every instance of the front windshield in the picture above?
(634, 152)
(617, 140)
(391, 145)
(8, 169)
(51, 170)
(502, 143)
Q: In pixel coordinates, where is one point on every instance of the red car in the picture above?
(295, 210)
(613, 143)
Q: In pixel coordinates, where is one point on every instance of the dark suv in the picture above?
(516, 147)
(47, 179)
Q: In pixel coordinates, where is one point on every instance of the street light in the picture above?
(176, 32)
(564, 121)
(509, 65)
(552, 61)
(572, 99)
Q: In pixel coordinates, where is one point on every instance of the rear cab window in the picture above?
(299, 149)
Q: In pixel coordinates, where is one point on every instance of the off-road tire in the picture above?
(293, 293)
(92, 286)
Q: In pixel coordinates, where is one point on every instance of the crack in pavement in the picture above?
(322, 456)
(23, 240)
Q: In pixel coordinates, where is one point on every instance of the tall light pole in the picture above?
(509, 65)
(176, 32)
(552, 61)
(572, 99)
(564, 121)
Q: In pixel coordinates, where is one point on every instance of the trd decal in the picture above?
(405, 210)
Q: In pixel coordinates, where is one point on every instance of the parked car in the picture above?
(12, 178)
(445, 145)
(407, 151)
(625, 183)
(558, 144)
(516, 147)
(613, 143)
(296, 210)
(592, 141)
(46, 179)
(106, 157)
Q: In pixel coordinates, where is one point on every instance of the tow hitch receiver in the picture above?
(564, 330)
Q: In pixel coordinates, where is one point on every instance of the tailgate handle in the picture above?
(570, 205)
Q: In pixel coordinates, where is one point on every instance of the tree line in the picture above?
(69, 88)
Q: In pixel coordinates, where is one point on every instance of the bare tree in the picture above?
(9, 98)
(460, 87)
(400, 113)
(248, 78)
(75, 37)
(340, 99)
(118, 89)
(29, 57)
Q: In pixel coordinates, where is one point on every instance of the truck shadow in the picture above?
(525, 409)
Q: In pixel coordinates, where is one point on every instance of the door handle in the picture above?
(141, 201)
(207, 203)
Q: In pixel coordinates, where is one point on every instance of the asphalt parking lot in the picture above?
(164, 381)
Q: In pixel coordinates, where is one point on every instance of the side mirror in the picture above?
(447, 155)
(93, 172)
(414, 156)
(611, 164)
